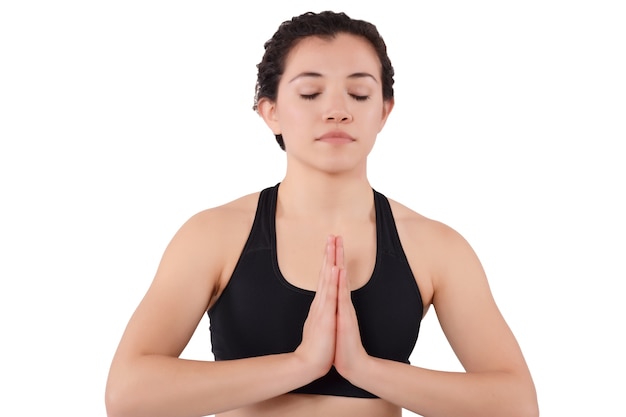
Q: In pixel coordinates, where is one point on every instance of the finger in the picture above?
(339, 252)
(333, 286)
(332, 249)
(344, 296)
(327, 265)
(348, 346)
(326, 261)
(345, 307)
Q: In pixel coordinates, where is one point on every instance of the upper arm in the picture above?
(466, 309)
(186, 279)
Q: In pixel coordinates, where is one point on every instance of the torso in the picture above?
(299, 261)
(300, 248)
(304, 405)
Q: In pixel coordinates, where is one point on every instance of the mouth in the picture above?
(336, 136)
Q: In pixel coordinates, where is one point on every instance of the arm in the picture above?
(497, 381)
(147, 378)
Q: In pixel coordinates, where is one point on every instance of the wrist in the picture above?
(358, 370)
(309, 369)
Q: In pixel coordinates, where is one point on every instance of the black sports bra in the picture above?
(261, 313)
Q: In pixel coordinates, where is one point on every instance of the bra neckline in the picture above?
(274, 249)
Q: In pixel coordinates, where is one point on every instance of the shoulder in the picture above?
(204, 250)
(208, 237)
(228, 213)
(419, 229)
(437, 252)
(216, 225)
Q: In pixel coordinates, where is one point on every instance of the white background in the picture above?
(120, 119)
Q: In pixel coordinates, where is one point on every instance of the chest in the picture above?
(300, 251)
(258, 313)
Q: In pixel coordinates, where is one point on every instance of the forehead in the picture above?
(341, 53)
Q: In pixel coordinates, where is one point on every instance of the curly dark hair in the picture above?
(326, 24)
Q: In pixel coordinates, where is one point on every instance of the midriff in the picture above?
(306, 405)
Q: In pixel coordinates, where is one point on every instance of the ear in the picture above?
(267, 110)
(387, 107)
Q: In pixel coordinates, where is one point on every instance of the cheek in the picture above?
(374, 117)
(295, 114)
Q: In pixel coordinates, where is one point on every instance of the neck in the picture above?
(335, 197)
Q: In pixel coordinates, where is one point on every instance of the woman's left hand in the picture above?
(349, 350)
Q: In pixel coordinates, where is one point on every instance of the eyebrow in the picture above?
(318, 75)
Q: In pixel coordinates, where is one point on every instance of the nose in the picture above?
(337, 110)
(338, 116)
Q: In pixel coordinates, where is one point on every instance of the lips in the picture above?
(336, 136)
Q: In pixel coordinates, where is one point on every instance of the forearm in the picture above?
(442, 394)
(157, 386)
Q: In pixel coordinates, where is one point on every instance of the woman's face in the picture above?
(329, 107)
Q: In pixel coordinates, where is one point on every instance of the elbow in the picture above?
(512, 409)
(518, 400)
(118, 400)
(531, 409)
(114, 403)
(525, 399)
(528, 407)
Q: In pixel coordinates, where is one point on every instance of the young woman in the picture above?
(315, 287)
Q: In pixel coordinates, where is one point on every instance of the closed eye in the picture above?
(309, 96)
(314, 95)
(359, 98)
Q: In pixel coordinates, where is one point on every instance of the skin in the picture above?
(326, 242)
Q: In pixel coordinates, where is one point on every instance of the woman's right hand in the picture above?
(317, 348)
